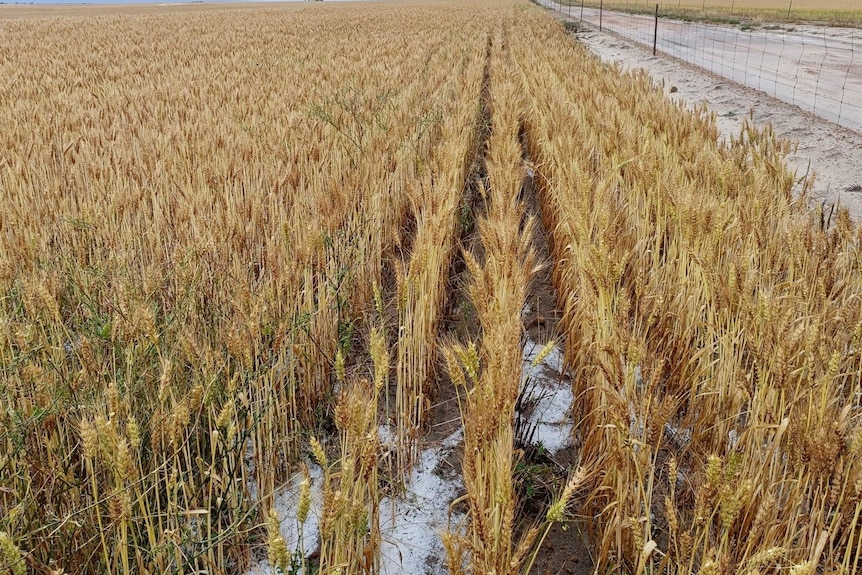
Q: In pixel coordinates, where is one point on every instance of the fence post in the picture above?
(601, 7)
(582, 10)
(655, 31)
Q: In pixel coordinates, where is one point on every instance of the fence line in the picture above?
(813, 67)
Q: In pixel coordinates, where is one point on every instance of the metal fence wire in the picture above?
(814, 67)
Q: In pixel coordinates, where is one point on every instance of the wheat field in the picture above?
(247, 249)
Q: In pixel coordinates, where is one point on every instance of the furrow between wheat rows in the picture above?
(699, 380)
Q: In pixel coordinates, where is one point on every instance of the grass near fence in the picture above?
(742, 12)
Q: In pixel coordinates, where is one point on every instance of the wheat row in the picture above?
(713, 324)
(196, 210)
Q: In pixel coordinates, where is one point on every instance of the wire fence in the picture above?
(817, 68)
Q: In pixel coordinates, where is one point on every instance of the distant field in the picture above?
(837, 13)
(744, 5)
(760, 4)
(16, 11)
